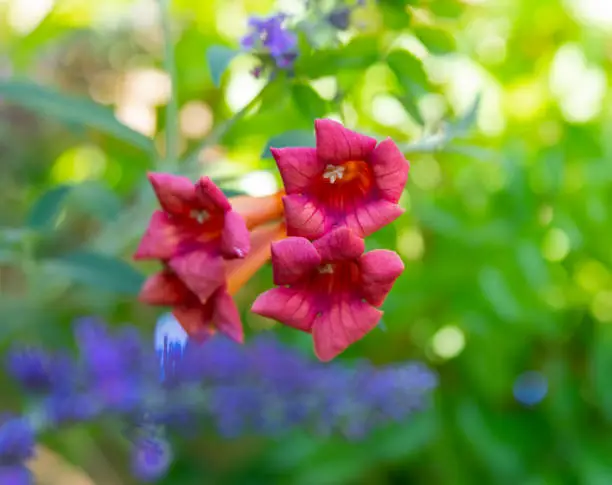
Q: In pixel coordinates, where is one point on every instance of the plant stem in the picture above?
(172, 127)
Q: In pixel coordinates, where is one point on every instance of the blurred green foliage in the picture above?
(506, 237)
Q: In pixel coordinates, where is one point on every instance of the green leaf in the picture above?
(96, 199)
(358, 54)
(293, 138)
(495, 288)
(233, 193)
(308, 101)
(395, 13)
(446, 8)
(46, 209)
(410, 105)
(409, 71)
(99, 271)
(437, 41)
(68, 109)
(219, 58)
(466, 122)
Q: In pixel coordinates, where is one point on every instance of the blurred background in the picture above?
(507, 292)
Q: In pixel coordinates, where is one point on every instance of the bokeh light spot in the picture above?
(25, 15)
(601, 306)
(525, 100)
(259, 183)
(388, 111)
(596, 13)
(149, 87)
(410, 244)
(326, 87)
(448, 342)
(242, 87)
(530, 388)
(426, 174)
(195, 119)
(78, 164)
(568, 70)
(556, 245)
(139, 117)
(592, 276)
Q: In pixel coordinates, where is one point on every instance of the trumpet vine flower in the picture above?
(329, 288)
(197, 230)
(200, 320)
(347, 180)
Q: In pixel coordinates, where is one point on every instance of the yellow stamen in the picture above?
(345, 172)
(333, 173)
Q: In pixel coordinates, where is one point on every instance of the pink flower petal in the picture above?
(304, 217)
(201, 271)
(292, 259)
(298, 167)
(337, 144)
(195, 320)
(164, 289)
(345, 322)
(176, 194)
(340, 244)
(379, 270)
(289, 306)
(210, 197)
(226, 316)
(161, 239)
(390, 170)
(369, 217)
(235, 241)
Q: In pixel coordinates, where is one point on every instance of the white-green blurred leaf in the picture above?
(99, 271)
(293, 138)
(219, 58)
(496, 290)
(47, 208)
(83, 112)
(97, 200)
(436, 40)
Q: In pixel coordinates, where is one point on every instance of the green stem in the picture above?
(172, 126)
(429, 144)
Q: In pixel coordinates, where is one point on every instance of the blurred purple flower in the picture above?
(15, 475)
(17, 441)
(270, 35)
(151, 458)
(37, 370)
(263, 388)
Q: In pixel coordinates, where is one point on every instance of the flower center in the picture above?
(335, 278)
(199, 215)
(333, 173)
(326, 269)
(344, 185)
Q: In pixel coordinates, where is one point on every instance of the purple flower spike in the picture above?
(15, 475)
(270, 35)
(39, 371)
(17, 441)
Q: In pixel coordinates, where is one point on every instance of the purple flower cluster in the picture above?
(269, 36)
(17, 443)
(264, 388)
